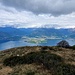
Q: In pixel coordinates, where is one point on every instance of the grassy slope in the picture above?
(39, 66)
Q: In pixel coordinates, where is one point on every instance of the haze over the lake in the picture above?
(37, 13)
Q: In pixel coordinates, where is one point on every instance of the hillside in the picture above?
(37, 60)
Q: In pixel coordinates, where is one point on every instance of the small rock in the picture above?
(18, 55)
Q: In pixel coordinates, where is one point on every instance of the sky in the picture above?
(37, 13)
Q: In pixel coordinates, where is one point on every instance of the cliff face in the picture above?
(37, 60)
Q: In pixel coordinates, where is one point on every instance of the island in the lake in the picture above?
(38, 39)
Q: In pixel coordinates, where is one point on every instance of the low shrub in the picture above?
(30, 73)
(73, 47)
(65, 69)
(50, 61)
(33, 57)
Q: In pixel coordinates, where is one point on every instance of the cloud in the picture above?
(53, 7)
(25, 19)
(20, 13)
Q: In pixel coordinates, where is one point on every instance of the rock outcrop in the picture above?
(63, 43)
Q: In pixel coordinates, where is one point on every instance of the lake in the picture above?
(13, 44)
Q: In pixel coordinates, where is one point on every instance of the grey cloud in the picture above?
(54, 7)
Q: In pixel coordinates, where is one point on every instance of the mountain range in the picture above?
(11, 33)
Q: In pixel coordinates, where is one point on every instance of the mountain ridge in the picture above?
(17, 33)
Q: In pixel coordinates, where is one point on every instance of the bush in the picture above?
(12, 61)
(50, 61)
(73, 47)
(65, 69)
(30, 73)
(33, 57)
(44, 48)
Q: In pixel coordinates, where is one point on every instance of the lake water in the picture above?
(12, 44)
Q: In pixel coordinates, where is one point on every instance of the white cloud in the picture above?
(24, 19)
